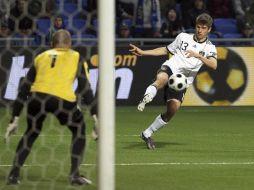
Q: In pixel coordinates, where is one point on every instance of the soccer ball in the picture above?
(177, 82)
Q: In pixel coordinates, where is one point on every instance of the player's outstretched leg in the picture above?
(147, 98)
(150, 93)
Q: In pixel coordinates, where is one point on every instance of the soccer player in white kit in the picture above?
(189, 53)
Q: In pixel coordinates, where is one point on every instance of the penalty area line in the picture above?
(150, 164)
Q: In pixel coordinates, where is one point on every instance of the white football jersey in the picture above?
(179, 63)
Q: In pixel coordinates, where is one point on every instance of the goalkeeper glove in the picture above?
(11, 129)
(95, 127)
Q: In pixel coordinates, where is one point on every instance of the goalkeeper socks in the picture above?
(14, 171)
(155, 126)
(152, 90)
(76, 156)
(77, 148)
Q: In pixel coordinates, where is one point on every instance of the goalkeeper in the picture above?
(48, 88)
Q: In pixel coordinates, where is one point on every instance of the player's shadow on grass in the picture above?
(159, 144)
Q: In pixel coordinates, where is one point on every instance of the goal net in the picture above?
(26, 30)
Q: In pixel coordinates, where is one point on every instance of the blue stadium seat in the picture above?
(127, 22)
(77, 39)
(212, 36)
(63, 1)
(66, 23)
(84, 4)
(95, 22)
(64, 16)
(78, 15)
(225, 20)
(232, 36)
(43, 25)
(225, 25)
(70, 7)
(79, 24)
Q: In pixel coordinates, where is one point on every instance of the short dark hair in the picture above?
(204, 19)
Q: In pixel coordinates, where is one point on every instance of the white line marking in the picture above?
(42, 135)
(154, 109)
(137, 135)
(185, 163)
(151, 164)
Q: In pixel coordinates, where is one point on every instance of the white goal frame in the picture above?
(106, 153)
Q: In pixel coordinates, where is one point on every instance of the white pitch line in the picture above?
(137, 135)
(191, 109)
(152, 164)
(185, 163)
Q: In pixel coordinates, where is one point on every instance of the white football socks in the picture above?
(155, 126)
(152, 90)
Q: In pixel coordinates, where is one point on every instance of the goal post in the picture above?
(106, 149)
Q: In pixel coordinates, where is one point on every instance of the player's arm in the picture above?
(18, 104)
(23, 93)
(87, 98)
(84, 89)
(153, 52)
(208, 61)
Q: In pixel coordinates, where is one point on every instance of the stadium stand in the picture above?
(70, 8)
(225, 25)
(212, 36)
(127, 22)
(232, 36)
(43, 25)
(83, 39)
(79, 24)
(80, 17)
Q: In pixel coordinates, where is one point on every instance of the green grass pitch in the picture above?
(202, 148)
